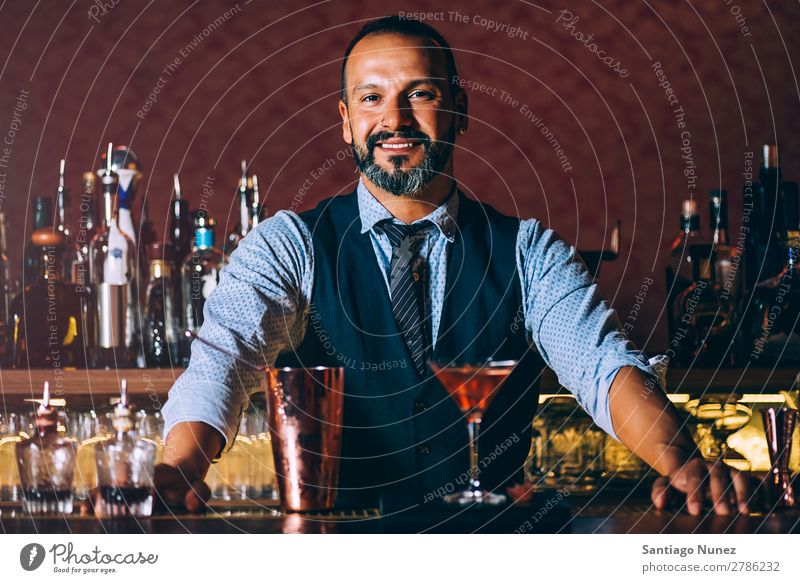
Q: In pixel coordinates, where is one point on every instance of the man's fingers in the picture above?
(720, 488)
(197, 496)
(661, 493)
(171, 485)
(743, 489)
(695, 494)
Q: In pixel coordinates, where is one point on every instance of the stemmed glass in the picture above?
(717, 418)
(473, 385)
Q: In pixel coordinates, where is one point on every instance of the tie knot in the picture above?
(399, 233)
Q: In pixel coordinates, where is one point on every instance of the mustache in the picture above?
(408, 134)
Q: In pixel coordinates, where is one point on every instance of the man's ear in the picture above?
(347, 135)
(461, 109)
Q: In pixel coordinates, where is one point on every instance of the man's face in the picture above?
(400, 117)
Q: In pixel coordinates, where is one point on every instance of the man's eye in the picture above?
(370, 98)
(422, 94)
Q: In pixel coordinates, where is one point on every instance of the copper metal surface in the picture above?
(305, 421)
(779, 426)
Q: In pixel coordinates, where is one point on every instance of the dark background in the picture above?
(264, 86)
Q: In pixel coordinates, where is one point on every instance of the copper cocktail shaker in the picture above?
(779, 427)
(305, 422)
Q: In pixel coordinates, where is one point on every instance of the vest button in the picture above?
(423, 449)
(420, 406)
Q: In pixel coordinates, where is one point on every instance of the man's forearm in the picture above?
(191, 445)
(647, 423)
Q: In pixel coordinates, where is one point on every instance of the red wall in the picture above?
(263, 86)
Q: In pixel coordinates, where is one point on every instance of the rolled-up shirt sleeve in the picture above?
(256, 310)
(576, 332)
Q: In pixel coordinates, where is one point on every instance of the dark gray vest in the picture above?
(403, 431)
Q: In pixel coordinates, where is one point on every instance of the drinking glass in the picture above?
(717, 417)
(473, 385)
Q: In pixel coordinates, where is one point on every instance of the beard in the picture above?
(398, 181)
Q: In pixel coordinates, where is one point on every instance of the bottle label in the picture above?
(115, 267)
(204, 238)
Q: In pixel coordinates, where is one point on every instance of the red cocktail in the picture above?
(473, 386)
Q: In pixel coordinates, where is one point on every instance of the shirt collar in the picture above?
(372, 212)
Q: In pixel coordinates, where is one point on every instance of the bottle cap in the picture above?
(89, 180)
(202, 220)
(689, 208)
(109, 178)
(770, 156)
(47, 237)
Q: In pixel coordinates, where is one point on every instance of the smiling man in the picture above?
(404, 270)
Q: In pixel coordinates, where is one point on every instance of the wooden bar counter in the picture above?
(580, 515)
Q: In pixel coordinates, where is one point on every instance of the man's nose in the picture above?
(397, 114)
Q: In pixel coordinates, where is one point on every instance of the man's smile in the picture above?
(399, 145)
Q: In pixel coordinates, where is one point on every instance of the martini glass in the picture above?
(473, 386)
(717, 418)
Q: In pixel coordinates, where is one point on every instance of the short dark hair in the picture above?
(404, 26)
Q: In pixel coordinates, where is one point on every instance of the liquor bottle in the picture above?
(125, 464)
(112, 271)
(245, 219)
(9, 474)
(45, 327)
(727, 277)
(5, 287)
(769, 335)
(161, 329)
(147, 236)
(180, 228)
(679, 271)
(42, 217)
(703, 317)
(200, 274)
(46, 463)
(259, 210)
(77, 261)
(180, 236)
(126, 166)
(60, 223)
(61, 203)
(768, 229)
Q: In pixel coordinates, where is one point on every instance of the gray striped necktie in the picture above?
(406, 285)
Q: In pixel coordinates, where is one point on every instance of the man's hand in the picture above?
(179, 489)
(699, 480)
(188, 452)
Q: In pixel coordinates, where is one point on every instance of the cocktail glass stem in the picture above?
(473, 428)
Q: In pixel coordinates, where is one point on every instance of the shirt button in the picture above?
(420, 406)
(424, 449)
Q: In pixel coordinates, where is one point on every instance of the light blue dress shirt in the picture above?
(262, 302)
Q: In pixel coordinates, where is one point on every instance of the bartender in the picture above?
(402, 270)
